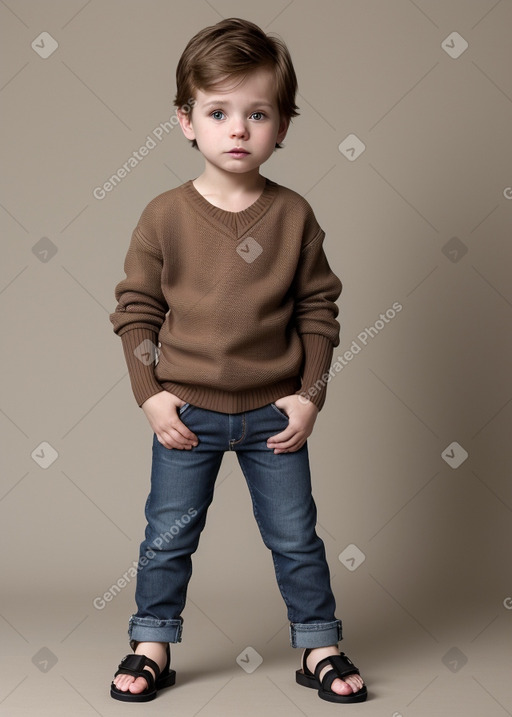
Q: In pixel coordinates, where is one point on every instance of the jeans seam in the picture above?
(234, 441)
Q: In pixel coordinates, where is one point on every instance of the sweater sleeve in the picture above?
(140, 313)
(316, 291)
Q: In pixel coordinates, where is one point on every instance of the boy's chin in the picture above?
(236, 168)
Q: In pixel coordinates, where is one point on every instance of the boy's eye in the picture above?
(219, 114)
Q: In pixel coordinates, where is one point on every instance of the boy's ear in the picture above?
(185, 120)
(283, 129)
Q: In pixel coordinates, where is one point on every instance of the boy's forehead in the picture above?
(258, 86)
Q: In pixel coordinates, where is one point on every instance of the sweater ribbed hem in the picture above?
(318, 352)
(139, 346)
(231, 402)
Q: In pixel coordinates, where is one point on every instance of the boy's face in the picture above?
(243, 117)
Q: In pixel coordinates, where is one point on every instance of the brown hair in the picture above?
(232, 49)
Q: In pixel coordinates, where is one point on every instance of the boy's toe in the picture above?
(138, 686)
(341, 687)
(122, 682)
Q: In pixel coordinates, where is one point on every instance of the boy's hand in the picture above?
(302, 417)
(161, 410)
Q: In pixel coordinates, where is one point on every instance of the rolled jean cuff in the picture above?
(148, 629)
(320, 634)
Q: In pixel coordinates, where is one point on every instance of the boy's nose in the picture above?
(238, 130)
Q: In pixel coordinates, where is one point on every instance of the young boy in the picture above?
(227, 274)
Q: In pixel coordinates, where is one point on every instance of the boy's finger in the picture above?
(285, 435)
(173, 438)
(294, 444)
(184, 432)
(287, 447)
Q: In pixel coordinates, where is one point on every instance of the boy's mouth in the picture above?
(238, 151)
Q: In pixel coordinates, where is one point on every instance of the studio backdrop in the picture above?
(403, 149)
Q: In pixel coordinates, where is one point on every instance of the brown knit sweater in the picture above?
(240, 304)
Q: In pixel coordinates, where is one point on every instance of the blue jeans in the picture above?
(182, 484)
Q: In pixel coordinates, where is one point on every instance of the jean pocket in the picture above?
(280, 412)
(183, 408)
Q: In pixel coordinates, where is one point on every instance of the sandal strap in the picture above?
(135, 664)
(341, 666)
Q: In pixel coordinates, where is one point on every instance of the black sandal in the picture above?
(134, 665)
(341, 667)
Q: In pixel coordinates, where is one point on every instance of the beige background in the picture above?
(435, 587)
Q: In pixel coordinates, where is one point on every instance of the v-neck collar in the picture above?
(237, 222)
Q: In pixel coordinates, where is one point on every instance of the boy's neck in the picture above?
(228, 188)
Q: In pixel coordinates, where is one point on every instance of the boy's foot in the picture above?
(155, 651)
(351, 684)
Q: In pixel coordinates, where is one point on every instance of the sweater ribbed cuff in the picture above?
(318, 352)
(140, 348)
